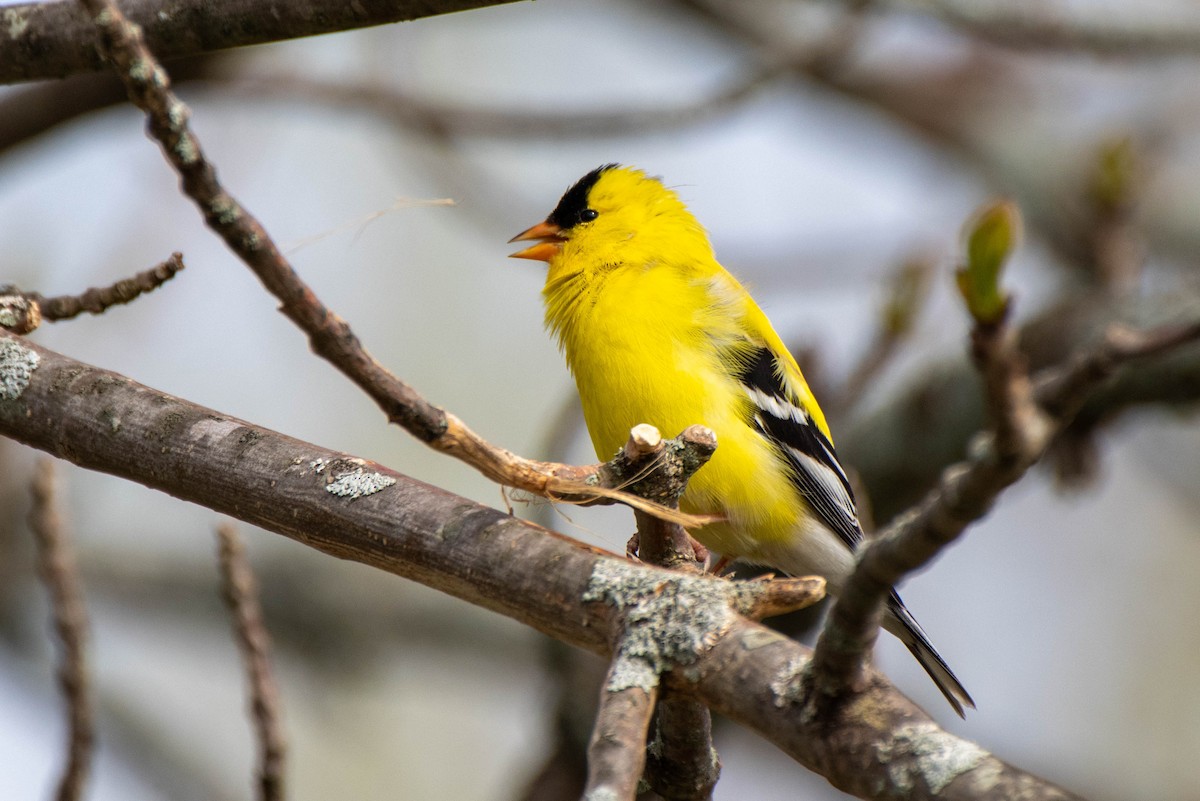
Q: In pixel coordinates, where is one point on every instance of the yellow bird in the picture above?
(656, 331)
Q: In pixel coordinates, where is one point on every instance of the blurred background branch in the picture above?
(240, 592)
(54, 39)
(59, 573)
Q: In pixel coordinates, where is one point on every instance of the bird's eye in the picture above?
(587, 215)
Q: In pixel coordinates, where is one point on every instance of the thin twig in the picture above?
(1061, 390)
(907, 291)
(60, 574)
(1038, 25)
(330, 336)
(240, 592)
(1020, 427)
(22, 312)
(417, 113)
(31, 111)
(97, 300)
(1116, 248)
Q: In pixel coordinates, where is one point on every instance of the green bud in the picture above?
(991, 236)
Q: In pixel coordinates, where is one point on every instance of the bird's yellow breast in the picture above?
(641, 342)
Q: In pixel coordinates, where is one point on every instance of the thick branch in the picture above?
(682, 764)
(53, 40)
(617, 751)
(879, 746)
(753, 668)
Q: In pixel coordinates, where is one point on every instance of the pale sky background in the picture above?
(808, 197)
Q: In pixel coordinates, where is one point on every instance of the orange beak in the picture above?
(549, 240)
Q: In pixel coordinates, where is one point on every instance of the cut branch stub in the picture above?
(18, 312)
(778, 596)
(657, 469)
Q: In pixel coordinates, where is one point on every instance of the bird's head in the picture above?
(616, 215)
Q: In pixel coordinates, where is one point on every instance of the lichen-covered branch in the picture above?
(878, 746)
(681, 763)
(53, 39)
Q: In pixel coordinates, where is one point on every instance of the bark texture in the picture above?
(877, 745)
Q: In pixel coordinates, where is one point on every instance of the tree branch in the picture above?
(431, 116)
(617, 751)
(681, 764)
(53, 40)
(240, 592)
(878, 746)
(1054, 25)
(967, 490)
(330, 336)
(899, 452)
(56, 565)
(22, 312)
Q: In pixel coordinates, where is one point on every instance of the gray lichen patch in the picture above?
(668, 620)
(17, 364)
(787, 685)
(16, 22)
(348, 479)
(602, 794)
(925, 751)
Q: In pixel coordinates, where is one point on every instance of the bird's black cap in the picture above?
(567, 213)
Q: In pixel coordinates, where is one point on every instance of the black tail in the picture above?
(902, 624)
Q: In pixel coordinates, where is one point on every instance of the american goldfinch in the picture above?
(656, 331)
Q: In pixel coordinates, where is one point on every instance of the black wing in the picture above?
(815, 470)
